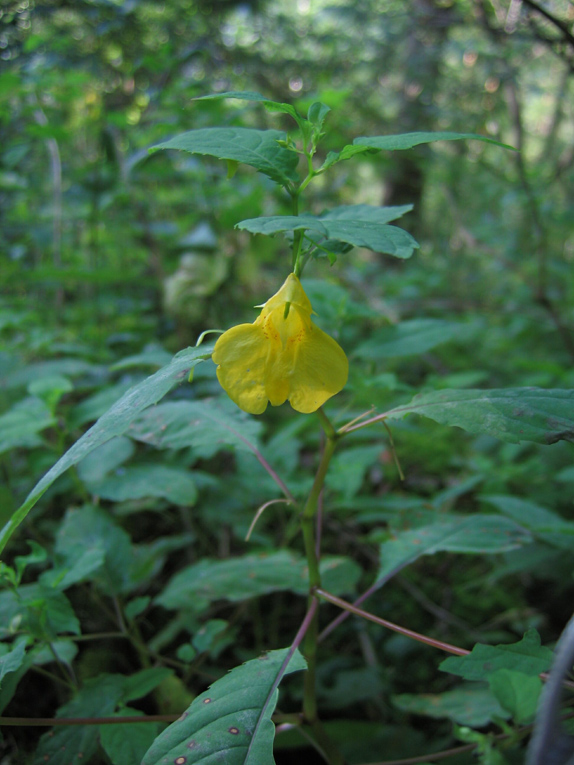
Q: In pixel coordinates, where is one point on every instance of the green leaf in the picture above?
(20, 426)
(408, 140)
(97, 698)
(113, 423)
(257, 148)
(50, 389)
(467, 705)
(347, 152)
(250, 95)
(235, 579)
(511, 414)
(546, 525)
(12, 677)
(231, 722)
(316, 114)
(140, 481)
(143, 682)
(41, 610)
(91, 530)
(527, 656)
(107, 457)
(13, 659)
(517, 693)
(470, 534)
(409, 338)
(126, 744)
(359, 225)
(208, 426)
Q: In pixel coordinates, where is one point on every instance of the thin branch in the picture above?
(447, 647)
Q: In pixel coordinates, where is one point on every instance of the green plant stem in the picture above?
(332, 755)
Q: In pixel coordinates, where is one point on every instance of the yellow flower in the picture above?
(281, 356)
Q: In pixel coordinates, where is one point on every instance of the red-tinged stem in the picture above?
(390, 625)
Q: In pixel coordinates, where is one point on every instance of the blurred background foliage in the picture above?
(112, 259)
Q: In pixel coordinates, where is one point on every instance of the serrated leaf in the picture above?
(358, 225)
(545, 524)
(511, 414)
(231, 722)
(140, 481)
(208, 426)
(113, 423)
(408, 338)
(235, 579)
(97, 698)
(257, 148)
(21, 425)
(517, 693)
(527, 656)
(470, 534)
(126, 744)
(467, 705)
(408, 140)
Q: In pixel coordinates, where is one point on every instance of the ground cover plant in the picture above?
(336, 527)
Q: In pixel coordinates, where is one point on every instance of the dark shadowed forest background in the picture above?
(113, 259)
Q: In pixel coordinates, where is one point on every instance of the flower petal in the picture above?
(241, 354)
(321, 370)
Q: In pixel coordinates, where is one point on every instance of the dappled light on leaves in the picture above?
(281, 356)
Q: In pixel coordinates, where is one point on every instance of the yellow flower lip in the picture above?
(281, 356)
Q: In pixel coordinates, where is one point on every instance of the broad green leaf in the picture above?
(140, 481)
(546, 525)
(97, 698)
(113, 423)
(257, 148)
(21, 425)
(13, 659)
(250, 95)
(208, 426)
(409, 338)
(235, 579)
(359, 225)
(231, 722)
(467, 705)
(527, 656)
(517, 693)
(470, 534)
(511, 414)
(126, 744)
(408, 140)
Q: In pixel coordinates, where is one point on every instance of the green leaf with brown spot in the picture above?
(230, 722)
